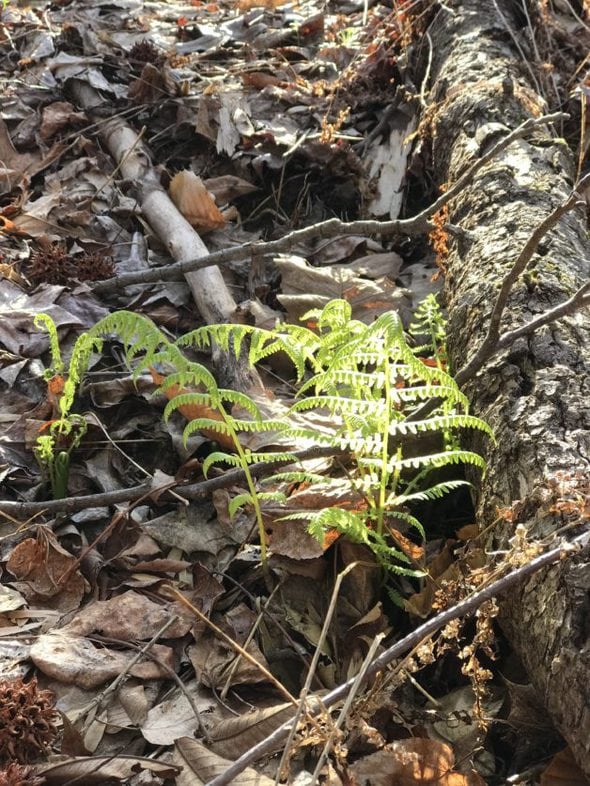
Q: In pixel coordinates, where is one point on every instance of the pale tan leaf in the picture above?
(199, 765)
(175, 717)
(233, 737)
(194, 202)
(76, 661)
(100, 769)
(129, 617)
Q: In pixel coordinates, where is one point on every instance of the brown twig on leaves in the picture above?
(24, 510)
(424, 631)
(417, 225)
(101, 697)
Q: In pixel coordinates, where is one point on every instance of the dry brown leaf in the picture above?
(41, 564)
(57, 116)
(420, 603)
(412, 762)
(228, 187)
(130, 617)
(563, 770)
(175, 717)
(199, 765)
(196, 204)
(235, 736)
(152, 85)
(259, 79)
(92, 770)
(212, 658)
(75, 661)
(246, 5)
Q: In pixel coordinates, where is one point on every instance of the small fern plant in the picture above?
(374, 384)
(65, 432)
(191, 387)
(370, 380)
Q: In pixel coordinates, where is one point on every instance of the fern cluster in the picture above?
(369, 380)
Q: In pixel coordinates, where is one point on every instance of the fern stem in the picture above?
(384, 472)
(251, 485)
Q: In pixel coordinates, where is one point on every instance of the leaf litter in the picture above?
(128, 133)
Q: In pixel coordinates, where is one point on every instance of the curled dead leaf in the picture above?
(196, 204)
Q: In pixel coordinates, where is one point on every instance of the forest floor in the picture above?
(137, 135)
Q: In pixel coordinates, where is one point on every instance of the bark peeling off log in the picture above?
(536, 396)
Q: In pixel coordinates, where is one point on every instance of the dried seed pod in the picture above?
(27, 720)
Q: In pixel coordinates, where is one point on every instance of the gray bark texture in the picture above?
(535, 395)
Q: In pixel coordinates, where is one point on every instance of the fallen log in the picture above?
(535, 394)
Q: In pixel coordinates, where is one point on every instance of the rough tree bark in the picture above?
(536, 395)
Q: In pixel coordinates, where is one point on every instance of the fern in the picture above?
(367, 377)
(429, 322)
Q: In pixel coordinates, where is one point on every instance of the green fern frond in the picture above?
(437, 491)
(242, 400)
(258, 426)
(296, 477)
(272, 496)
(205, 424)
(317, 437)
(45, 322)
(263, 343)
(82, 351)
(137, 333)
(439, 423)
(219, 457)
(238, 502)
(186, 400)
(344, 521)
(340, 404)
(269, 457)
(193, 375)
(429, 321)
(438, 460)
(402, 515)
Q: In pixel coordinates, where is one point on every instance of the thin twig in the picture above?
(101, 697)
(578, 300)
(314, 663)
(489, 346)
(343, 714)
(68, 505)
(422, 632)
(234, 645)
(171, 673)
(417, 225)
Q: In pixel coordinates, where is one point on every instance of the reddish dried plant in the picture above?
(19, 775)
(439, 239)
(144, 52)
(55, 266)
(27, 720)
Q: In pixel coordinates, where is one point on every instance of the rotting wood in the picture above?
(536, 395)
(208, 288)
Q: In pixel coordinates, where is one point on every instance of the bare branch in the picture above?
(417, 225)
(410, 641)
(491, 343)
(579, 300)
(54, 507)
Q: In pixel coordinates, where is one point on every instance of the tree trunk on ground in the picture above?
(536, 394)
